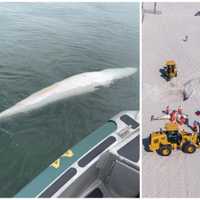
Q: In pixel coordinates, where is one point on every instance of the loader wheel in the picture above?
(189, 148)
(165, 150)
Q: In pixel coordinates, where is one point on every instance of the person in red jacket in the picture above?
(173, 116)
(182, 120)
(167, 110)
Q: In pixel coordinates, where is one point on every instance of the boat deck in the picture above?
(64, 170)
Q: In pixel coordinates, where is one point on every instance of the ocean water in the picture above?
(42, 43)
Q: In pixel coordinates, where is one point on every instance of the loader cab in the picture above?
(174, 137)
(172, 133)
(171, 70)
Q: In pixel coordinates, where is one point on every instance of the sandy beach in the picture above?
(163, 39)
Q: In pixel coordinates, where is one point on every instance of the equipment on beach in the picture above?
(170, 70)
(164, 117)
(174, 116)
(173, 138)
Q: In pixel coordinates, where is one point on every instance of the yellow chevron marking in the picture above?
(56, 164)
(69, 153)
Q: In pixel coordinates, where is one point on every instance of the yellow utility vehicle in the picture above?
(172, 138)
(170, 69)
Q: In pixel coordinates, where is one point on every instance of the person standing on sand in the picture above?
(195, 127)
(182, 120)
(180, 110)
(166, 111)
(173, 116)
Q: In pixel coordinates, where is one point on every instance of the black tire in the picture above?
(198, 140)
(188, 148)
(165, 150)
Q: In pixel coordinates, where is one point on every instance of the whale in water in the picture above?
(72, 86)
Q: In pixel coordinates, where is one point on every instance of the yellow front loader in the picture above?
(172, 138)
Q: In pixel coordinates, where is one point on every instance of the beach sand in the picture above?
(162, 39)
